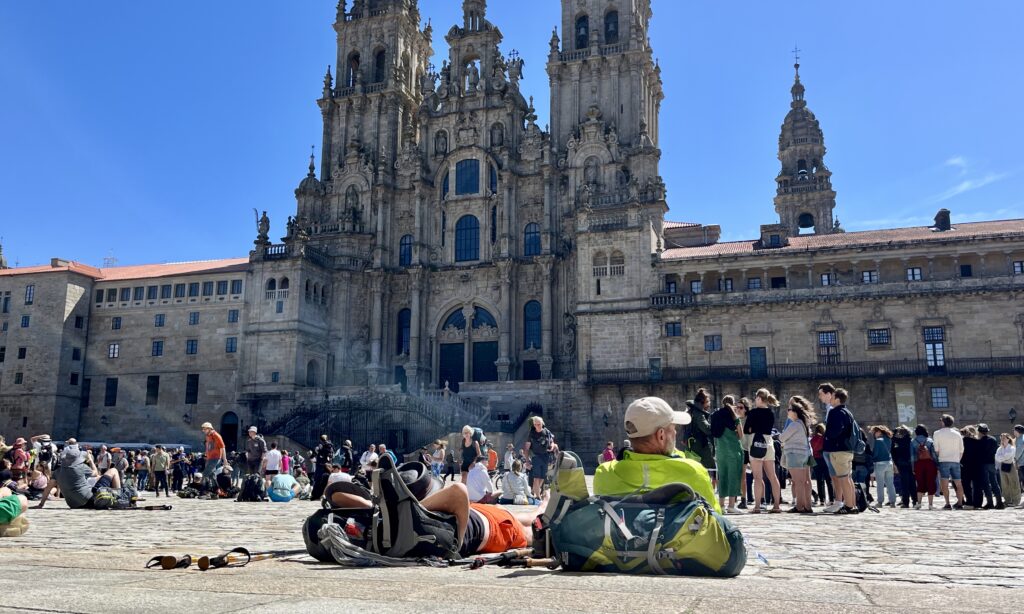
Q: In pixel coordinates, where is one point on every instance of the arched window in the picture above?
(309, 290)
(611, 28)
(455, 320)
(403, 332)
(323, 295)
(531, 240)
(284, 283)
(801, 166)
(352, 70)
(405, 251)
(492, 178)
(582, 32)
(467, 239)
(379, 67)
(467, 177)
(590, 170)
(482, 317)
(617, 264)
(494, 224)
(351, 198)
(444, 186)
(271, 285)
(531, 326)
(316, 293)
(600, 264)
(312, 374)
(444, 227)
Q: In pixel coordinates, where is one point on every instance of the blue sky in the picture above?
(149, 131)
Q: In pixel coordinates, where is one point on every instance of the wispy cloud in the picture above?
(958, 162)
(967, 185)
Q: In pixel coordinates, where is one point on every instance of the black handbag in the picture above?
(759, 447)
(1006, 467)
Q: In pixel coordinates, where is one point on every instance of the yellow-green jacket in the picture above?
(644, 472)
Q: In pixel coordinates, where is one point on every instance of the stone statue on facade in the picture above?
(262, 229)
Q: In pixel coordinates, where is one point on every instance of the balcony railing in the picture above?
(873, 369)
(666, 299)
(579, 54)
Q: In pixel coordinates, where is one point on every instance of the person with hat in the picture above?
(653, 460)
(345, 458)
(214, 452)
(45, 453)
(20, 459)
(255, 448)
(626, 445)
(989, 445)
(73, 477)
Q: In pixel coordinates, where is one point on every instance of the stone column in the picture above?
(810, 275)
(467, 363)
(415, 289)
(376, 371)
(547, 309)
(546, 235)
(417, 240)
(504, 362)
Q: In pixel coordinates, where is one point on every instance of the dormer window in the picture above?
(775, 241)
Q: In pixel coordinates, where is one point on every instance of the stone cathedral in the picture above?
(450, 261)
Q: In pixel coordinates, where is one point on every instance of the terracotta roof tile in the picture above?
(680, 224)
(74, 267)
(142, 271)
(851, 239)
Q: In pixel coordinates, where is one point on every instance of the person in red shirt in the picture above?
(214, 452)
(19, 459)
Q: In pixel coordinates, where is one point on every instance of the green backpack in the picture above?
(669, 530)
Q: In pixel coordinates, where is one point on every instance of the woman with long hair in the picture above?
(725, 429)
(926, 471)
(820, 470)
(796, 447)
(760, 421)
(881, 454)
(1009, 481)
(742, 407)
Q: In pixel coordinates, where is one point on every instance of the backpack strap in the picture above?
(652, 546)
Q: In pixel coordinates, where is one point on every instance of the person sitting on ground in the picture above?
(6, 477)
(478, 483)
(305, 487)
(515, 487)
(13, 522)
(284, 487)
(73, 478)
(653, 460)
(337, 474)
(225, 483)
(482, 528)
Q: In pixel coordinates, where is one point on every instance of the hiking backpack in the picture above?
(862, 499)
(253, 489)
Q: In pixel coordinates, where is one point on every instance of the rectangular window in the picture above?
(236, 286)
(869, 277)
(19, 377)
(83, 401)
(99, 296)
(207, 288)
(25, 321)
(775, 241)
(231, 345)
(275, 376)
(725, 285)
(165, 291)
(158, 348)
(76, 354)
(754, 283)
(126, 294)
(192, 346)
(6, 303)
(152, 292)
(3, 353)
(22, 353)
(935, 348)
(115, 323)
(193, 289)
(673, 329)
(934, 333)
(879, 336)
(914, 274)
(712, 343)
(696, 286)
(193, 318)
(152, 389)
(111, 295)
(939, 397)
(826, 279)
(232, 316)
(110, 394)
(467, 177)
(828, 347)
(222, 287)
(279, 308)
(73, 380)
(113, 350)
(191, 389)
(179, 290)
(139, 293)
(158, 320)
(778, 283)
(79, 322)
(30, 294)
(966, 270)
(1018, 267)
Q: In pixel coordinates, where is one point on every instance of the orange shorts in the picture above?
(504, 531)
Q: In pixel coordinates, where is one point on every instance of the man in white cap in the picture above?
(214, 452)
(653, 461)
(255, 448)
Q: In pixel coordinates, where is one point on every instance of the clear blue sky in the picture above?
(150, 130)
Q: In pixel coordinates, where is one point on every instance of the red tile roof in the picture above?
(142, 271)
(668, 225)
(865, 238)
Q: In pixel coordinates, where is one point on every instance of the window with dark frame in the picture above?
(139, 293)
(879, 337)
(232, 316)
(99, 297)
(113, 350)
(230, 345)
(869, 277)
(828, 347)
(79, 322)
(3, 353)
(165, 291)
(191, 347)
(83, 401)
(532, 337)
(112, 295)
(158, 348)
(19, 377)
(467, 239)
(754, 283)
(193, 289)
(531, 239)
(22, 353)
(179, 290)
(73, 380)
(1018, 267)
(193, 318)
(192, 389)
(126, 295)
(966, 270)
(696, 286)
(158, 320)
(725, 284)
(939, 397)
(403, 332)
(222, 287)
(152, 292)
(236, 286)
(826, 279)
(110, 394)
(152, 389)
(673, 329)
(30, 294)
(275, 376)
(467, 177)
(405, 251)
(207, 288)
(115, 323)
(712, 343)
(935, 347)
(914, 274)
(25, 321)
(76, 354)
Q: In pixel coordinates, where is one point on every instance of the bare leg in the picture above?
(944, 489)
(773, 479)
(959, 491)
(453, 500)
(758, 467)
(115, 478)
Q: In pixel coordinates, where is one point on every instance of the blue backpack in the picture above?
(855, 442)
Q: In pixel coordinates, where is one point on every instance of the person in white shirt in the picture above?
(949, 446)
(368, 457)
(271, 463)
(478, 483)
(337, 475)
(1009, 481)
(515, 487)
(510, 456)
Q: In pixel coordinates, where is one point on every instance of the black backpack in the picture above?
(403, 528)
(253, 489)
(862, 499)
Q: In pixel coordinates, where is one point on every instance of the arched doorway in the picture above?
(312, 374)
(468, 353)
(229, 431)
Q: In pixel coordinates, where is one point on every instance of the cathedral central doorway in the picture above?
(485, 353)
(468, 348)
(452, 365)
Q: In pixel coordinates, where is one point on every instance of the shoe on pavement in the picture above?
(959, 506)
(917, 505)
(833, 508)
(948, 507)
(742, 505)
(732, 510)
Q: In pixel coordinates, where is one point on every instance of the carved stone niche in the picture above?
(485, 333)
(451, 334)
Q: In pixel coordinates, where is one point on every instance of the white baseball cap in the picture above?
(252, 429)
(646, 415)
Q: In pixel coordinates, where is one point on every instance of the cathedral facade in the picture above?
(447, 247)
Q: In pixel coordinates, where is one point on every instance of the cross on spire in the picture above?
(796, 61)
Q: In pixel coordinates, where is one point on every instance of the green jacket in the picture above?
(644, 472)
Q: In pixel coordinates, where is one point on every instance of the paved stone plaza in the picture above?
(898, 560)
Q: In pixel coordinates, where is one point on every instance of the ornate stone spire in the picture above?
(3, 259)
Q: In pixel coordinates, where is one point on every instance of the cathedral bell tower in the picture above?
(804, 198)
